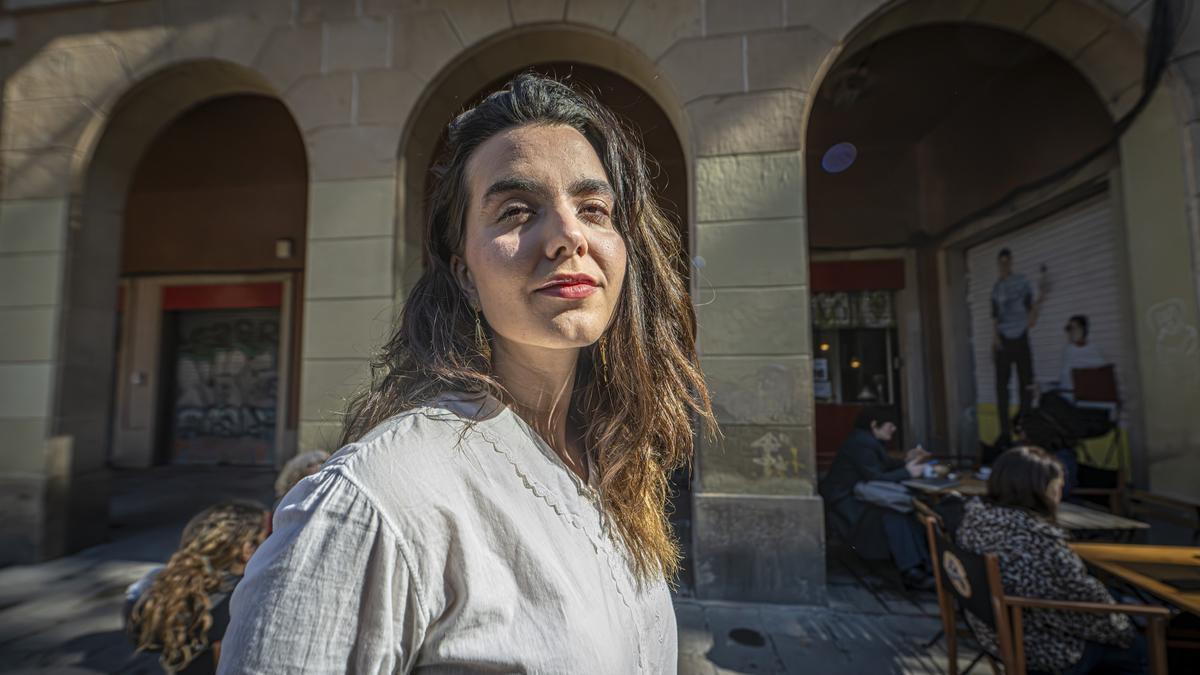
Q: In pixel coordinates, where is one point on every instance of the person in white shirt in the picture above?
(500, 502)
(1077, 354)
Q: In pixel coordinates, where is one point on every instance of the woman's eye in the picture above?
(515, 212)
(596, 213)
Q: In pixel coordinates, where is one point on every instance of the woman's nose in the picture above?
(564, 233)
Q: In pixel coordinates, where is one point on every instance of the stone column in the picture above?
(56, 334)
(759, 526)
(32, 235)
(350, 104)
(741, 74)
(347, 298)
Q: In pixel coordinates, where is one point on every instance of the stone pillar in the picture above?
(758, 524)
(348, 298)
(56, 329)
(32, 234)
(1165, 316)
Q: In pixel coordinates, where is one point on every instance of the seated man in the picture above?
(1077, 420)
(875, 531)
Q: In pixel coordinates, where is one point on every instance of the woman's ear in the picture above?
(464, 278)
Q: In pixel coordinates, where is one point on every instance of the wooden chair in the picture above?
(1099, 385)
(1117, 494)
(973, 583)
(925, 513)
(952, 628)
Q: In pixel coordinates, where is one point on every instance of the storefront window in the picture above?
(854, 359)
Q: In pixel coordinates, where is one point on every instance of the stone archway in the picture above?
(1156, 179)
(594, 62)
(1102, 42)
(110, 149)
(973, 112)
(500, 56)
(1103, 39)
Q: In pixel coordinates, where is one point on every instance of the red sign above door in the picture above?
(222, 296)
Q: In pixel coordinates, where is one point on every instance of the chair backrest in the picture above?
(965, 575)
(1096, 384)
(925, 511)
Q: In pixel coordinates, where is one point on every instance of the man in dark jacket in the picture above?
(874, 531)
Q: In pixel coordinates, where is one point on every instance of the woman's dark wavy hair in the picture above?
(638, 421)
(1020, 478)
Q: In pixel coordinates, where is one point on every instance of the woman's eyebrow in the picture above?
(514, 184)
(592, 186)
(583, 186)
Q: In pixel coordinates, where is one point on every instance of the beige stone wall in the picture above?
(1162, 269)
(735, 75)
(351, 73)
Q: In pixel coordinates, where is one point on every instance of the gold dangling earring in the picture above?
(481, 342)
(604, 356)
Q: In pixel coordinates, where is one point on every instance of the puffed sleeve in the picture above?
(330, 591)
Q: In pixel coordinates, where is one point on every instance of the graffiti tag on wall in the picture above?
(777, 455)
(226, 376)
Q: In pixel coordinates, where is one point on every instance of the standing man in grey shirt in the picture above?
(1014, 313)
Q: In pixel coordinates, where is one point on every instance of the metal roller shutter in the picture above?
(1079, 248)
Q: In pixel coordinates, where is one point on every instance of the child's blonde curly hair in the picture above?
(175, 614)
(297, 468)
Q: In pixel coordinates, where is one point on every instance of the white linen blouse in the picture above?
(451, 539)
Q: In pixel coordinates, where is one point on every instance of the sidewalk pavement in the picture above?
(63, 616)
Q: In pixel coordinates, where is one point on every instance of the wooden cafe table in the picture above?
(1171, 573)
(1071, 517)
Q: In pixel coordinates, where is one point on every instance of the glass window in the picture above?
(855, 348)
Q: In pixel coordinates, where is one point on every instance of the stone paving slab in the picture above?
(804, 639)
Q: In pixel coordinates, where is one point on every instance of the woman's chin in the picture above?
(555, 338)
(575, 331)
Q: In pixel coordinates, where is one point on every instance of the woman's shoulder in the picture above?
(985, 521)
(416, 455)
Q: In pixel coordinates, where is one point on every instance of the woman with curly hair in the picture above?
(184, 613)
(500, 504)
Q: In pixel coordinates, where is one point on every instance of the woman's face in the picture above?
(1054, 491)
(542, 257)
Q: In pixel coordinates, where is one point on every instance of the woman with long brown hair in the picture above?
(500, 504)
(1016, 522)
(184, 613)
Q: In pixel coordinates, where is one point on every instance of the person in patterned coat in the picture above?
(1016, 523)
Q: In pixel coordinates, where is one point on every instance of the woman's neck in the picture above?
(540, 383)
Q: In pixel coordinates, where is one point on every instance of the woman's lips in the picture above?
(569, 286)
(571, 291)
